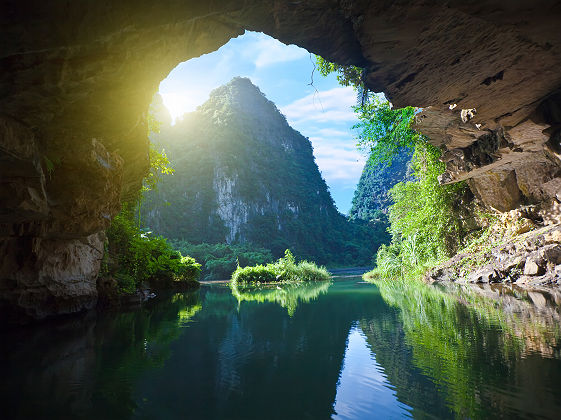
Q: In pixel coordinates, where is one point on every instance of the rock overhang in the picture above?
(77, 79)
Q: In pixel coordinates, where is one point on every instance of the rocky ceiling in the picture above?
(77, 79)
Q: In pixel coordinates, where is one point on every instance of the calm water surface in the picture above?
(345, 350)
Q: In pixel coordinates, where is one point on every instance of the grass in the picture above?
(284, 270)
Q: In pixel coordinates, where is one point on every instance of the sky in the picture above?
(321, 112)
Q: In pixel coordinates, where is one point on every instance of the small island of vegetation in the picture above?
(283, 270)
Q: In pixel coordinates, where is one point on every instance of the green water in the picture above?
(348, 350)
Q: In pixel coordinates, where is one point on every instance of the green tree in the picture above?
(425, 226)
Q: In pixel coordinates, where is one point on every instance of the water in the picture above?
(345, 350)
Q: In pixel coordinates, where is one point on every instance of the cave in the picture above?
(78, 77)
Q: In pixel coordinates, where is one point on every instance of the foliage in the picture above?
(220, 260)
(384, 131)
(425, 224)
(159, 165)
(136, 257)
(284, 270)
(346, 75)
(424, 220)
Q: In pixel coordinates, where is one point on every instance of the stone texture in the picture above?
(42, 277)
(497, 190)
(529, 260)
(552, 188)
(532, 267)
(77, 79)
(535, 180)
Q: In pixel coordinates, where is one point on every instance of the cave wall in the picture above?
(77, 79)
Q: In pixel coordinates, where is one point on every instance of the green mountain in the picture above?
(243, 175)
(371, 198)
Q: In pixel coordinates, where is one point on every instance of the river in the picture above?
(343, 350)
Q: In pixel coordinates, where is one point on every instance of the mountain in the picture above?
(371, 199)
(243, 175)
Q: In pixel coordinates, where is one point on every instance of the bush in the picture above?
(135, 257)
(255, 274)
(425, 220)
(219, 261)
(284, 270)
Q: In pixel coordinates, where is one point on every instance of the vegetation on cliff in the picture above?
(426, 224)
(244, 176)
(372, 198)
(285, 269)
(425, 219)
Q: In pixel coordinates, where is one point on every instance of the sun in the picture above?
(179, 103)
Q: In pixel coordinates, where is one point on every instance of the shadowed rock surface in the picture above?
(77, 79)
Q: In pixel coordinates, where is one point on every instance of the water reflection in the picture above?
(287, 295)
(354, 350)
(87, 366)
(473, 351)
(363, 390)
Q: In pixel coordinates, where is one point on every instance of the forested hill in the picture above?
(244, 175)
(371, 199)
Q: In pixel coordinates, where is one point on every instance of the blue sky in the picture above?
(283, 74)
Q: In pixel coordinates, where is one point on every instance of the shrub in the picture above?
(135, 257)
(284, 270)
(255, 274)
(425, 223)
(219, 261)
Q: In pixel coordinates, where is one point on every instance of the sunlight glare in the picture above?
(179, 103)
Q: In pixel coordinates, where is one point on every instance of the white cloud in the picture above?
(332, 132)
(265, 51)
(332, 105)
(338, 161)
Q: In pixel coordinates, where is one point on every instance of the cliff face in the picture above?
(77, 79)
(371, 198)
(242, 174)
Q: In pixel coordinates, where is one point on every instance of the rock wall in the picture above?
(77, 79)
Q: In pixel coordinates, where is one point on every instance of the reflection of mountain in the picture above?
(288, 296)
(361, 374)
(256, 362)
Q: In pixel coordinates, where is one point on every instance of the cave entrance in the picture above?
(262, 149)
(316, 106)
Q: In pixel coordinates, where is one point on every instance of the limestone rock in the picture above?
(497, 190)
(552, 188)
(485, 275)
(533, 268)
(76, 71)
(528, 260)
(43, 277)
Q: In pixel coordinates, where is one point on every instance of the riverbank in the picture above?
(528, 260)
